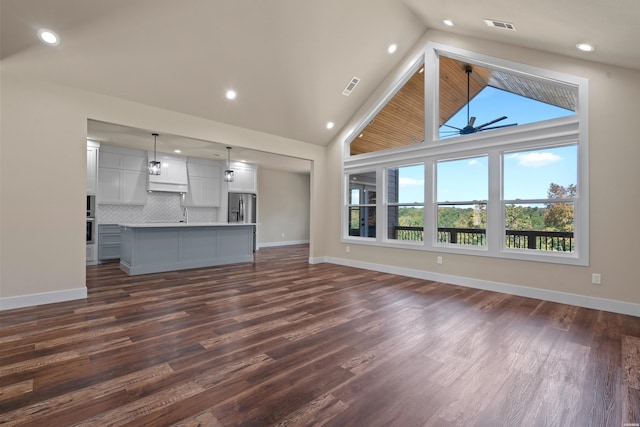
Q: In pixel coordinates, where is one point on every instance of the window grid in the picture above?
(546, 134)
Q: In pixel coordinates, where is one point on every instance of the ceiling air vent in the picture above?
(500, 24)
(351, 86)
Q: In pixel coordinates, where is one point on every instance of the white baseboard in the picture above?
(542, 294)
(613, 306)
(288, 243)
(43, 298)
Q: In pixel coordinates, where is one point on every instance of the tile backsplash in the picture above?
(160, 207)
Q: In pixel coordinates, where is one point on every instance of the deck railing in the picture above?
(560, 241)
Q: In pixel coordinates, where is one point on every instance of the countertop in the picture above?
(184, 224)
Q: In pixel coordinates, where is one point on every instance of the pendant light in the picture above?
(154, 165)
(228, 174)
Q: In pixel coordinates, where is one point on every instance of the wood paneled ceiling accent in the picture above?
(453, 85)
(401, 121)
(543, 92)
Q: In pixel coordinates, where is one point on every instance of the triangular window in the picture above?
(476, 99)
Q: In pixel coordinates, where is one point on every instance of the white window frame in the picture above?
(544, 201)
(347, 205)
(437, 204)
(386, 204)
(550, 133)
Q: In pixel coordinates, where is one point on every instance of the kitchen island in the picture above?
(158, 247)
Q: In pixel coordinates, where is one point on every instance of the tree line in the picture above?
(553, 216)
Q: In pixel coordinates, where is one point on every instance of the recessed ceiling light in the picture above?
(231, 94)
(392, 48)
(177, 151)
(585, 47)
(330, 125)
(447, 22)
(48, 37)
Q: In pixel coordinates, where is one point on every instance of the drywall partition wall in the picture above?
(614, 198)
(41, 220)
(283, 208)
(42, 178)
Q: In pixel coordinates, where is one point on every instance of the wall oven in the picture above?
(91, 230)
(91, 219)
(91, 206)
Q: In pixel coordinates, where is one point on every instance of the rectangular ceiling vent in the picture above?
(500, 24)
(351, 86)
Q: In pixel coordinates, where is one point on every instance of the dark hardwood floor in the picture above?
(282, 342)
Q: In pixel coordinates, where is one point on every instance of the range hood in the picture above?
(173, 175)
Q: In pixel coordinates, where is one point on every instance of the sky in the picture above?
(527, 174)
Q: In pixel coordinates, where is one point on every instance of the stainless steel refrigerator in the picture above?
(242, 208)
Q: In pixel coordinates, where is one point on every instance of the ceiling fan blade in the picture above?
(452, 127)
(491, 122)
(498, 127)
(472, 120)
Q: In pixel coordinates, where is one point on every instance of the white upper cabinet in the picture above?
(122, 176)
(122, 158)
(204, 183)
(92, 167)
(245, 179)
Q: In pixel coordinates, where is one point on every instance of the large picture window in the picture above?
(502, 170)
(539, 199)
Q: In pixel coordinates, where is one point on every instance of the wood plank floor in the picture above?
(282, 342)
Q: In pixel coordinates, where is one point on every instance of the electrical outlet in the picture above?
(282, 234)
(439, 260)
(596, 278)
(347, 249)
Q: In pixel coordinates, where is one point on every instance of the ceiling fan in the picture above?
(469, 128)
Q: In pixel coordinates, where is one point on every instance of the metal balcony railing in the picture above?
(560, 241)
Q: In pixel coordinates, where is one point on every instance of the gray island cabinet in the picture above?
(158, 247)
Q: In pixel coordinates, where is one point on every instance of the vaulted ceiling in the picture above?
(288, 60)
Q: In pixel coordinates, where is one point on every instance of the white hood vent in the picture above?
(173, 175)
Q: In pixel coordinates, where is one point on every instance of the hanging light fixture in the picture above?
(228, 174)
(154, 165)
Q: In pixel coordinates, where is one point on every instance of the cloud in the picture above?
(535, 159)
(411, 181)
(473, 162)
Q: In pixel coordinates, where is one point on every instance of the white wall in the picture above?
(284, 201)
(42, 178)
(43, 171)
(614, 196)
